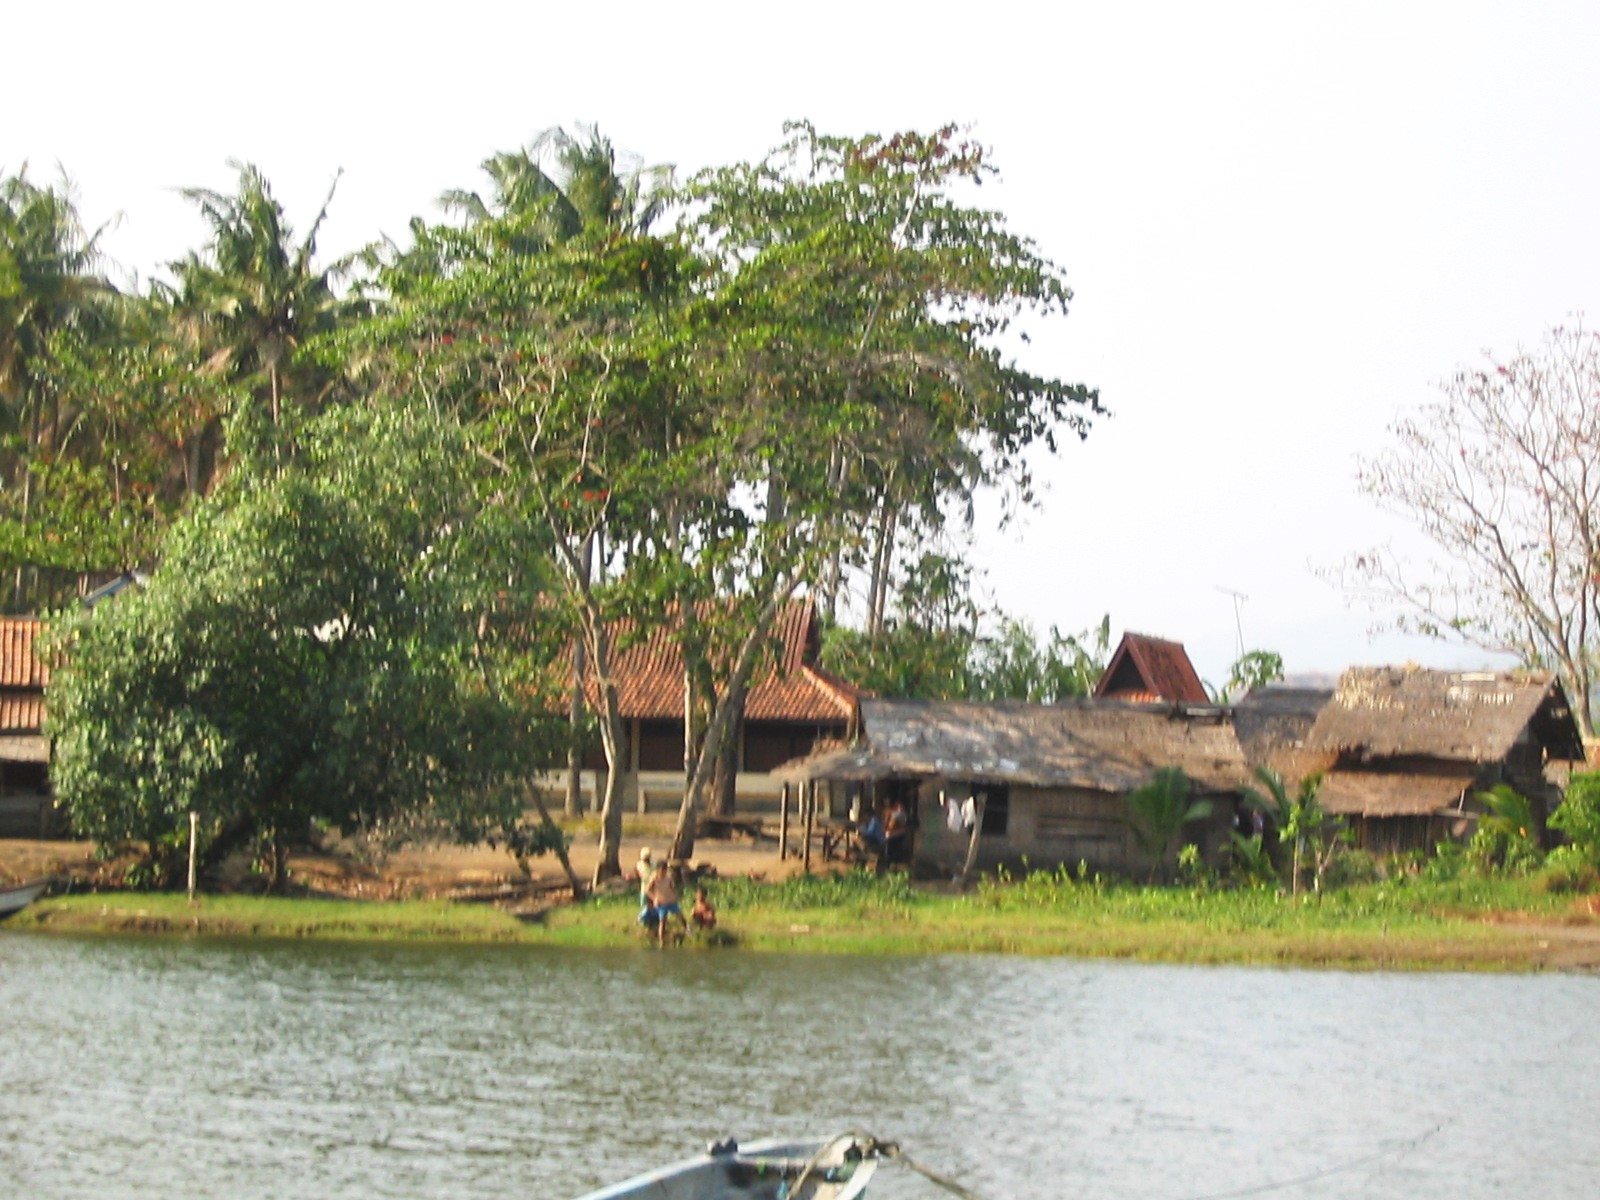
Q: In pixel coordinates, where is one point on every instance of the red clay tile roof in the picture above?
(19, 664)
(650, 676)
(21, 712)
(1147, 668)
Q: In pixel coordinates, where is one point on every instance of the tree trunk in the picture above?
(573, 805)
(725, 779)
(722, 721)
(609, 863)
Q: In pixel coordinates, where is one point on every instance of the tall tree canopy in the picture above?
(1502, 473)
(309, 651)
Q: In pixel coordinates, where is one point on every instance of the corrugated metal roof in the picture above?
(1145, 668)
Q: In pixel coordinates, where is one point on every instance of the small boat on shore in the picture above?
(835, 1169)
(18, 896)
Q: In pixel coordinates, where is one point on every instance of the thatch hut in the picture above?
(1406, 749)
(1052, 778)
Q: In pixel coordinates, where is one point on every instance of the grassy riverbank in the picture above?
(1469, 924)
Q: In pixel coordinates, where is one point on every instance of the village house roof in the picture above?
(1453, 716)
(1395, 793)
(1272, 724)
(1089, 744)
(23, 677)
(649, 675)
(1150, 669)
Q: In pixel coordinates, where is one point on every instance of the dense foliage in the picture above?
(691, 403)
(307, 655)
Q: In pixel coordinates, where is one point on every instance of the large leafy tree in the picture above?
(310, 650)
(720, 414)
(848, 339)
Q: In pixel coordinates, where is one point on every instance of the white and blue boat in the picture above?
(832, 1169)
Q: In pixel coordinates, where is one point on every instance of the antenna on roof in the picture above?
(1238, 626)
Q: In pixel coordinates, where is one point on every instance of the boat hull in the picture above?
(15, 899)
(765, 1170)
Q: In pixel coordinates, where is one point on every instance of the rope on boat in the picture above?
(873, 1147)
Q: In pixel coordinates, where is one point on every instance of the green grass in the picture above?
(1466, 924)
(259, 916)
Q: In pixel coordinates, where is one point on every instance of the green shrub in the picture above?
(1505, 841)
(1566, 869)
(1351, 867)
(1448, 863)
(1192, 869)
(1578, 815)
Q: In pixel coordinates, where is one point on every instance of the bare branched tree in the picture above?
(1502, 473)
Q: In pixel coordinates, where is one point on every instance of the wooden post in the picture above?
(194, 836)
(808, 809)
(783, 823)
(979, 804)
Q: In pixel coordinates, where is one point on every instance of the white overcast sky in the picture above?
(1283, 222)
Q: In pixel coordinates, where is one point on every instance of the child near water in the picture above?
(702, 914)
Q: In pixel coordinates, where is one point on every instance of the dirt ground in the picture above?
(453, 871)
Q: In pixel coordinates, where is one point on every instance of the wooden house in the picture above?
(1053, 778)
(27, 808)
(1150, 670)
(791, 706)
(1405, 749)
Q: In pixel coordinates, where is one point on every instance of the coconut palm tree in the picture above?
(559, 186)
(50, 287)
(1158, 811)
(1300, 819)
(254, 296)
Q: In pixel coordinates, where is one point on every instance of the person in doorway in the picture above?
(663, 897)
(703, 914)
(896, 834)
(869, 839)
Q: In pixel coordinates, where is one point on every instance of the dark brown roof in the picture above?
(1389, 794)
(19, 662)
(1151, 669)
(1460, 716)
(1093, 744)
(649, 675)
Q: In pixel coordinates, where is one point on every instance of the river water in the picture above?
(151, 1068)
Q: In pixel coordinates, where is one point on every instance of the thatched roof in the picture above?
(1151, 669)
(1272, 724)
(1387, 794)
(1457, 716)
(1097, 745)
